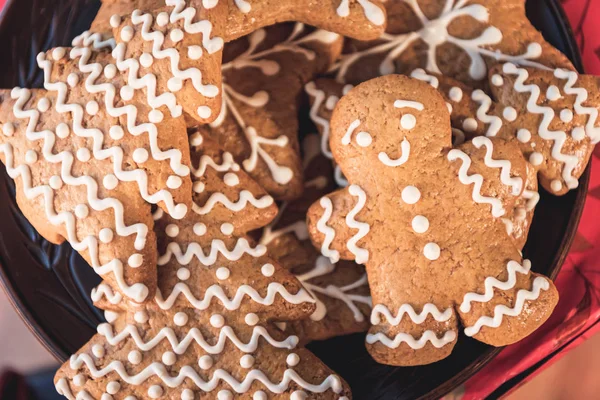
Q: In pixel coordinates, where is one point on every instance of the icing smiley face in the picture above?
(423, 226)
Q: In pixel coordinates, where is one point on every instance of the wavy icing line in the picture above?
(491, 283)
(406, 309)
(485, 103)
(476, 180)
(371, 11)
(361, 255)
(217, 247)
(246, 197)
(328, 231)
(557, 137)
(428, 336)
(93, 40)
(516, 183)
(501, 310)
(104, 290)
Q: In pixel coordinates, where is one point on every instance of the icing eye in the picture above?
(363, 139)
(408, 121)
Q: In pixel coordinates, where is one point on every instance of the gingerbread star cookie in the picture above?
(425, 220)
(263, 75)
(208, 332)
(341, 288)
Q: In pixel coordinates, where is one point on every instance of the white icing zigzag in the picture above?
(328, 231)
(428, 336)
(245, 197)
(361, 255)
(217, 246)
(485, 102)
(418, 318)
(516, 183)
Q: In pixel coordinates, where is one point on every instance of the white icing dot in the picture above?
(113, 387)
(227, 228)
(205, 362)
(126, 92)
(431, 251)
(176, 35)
(174, 84)
(410, 195)
(43, 104)
(155, 391)
(497, 80)
(8, 129)
(509, 113)
(72, 79)
(183, 274)
(408, 121)
(420, 224)
(135, 260)
(536, 158)
(162, 19)
(83, 154)
(222, 273)
(134, 357)
(187, 394)
(199, 229)
(106, 235)
(198, 187)
(217, 320)
(259, 395)
(98, 351)
(174, 182)
(58, 53)
(180, 319)
(168, 358)
(469, 125)
(566, 115)
(194, 52)
(146, 60)
(224, 395)
(553, 93)
(172, 230)
(455, 94)
(81, 211)
(115, 21)
(231, 179)
(92, 107)
(578, 133)
(251, 319)
(267, 270)
(140, 317)
(110, 181)
(116, 132)
(79, 380)
(523, 135)
(364, 139)
(556, 185)
(140, 155)
(62, 130)
(155, 116)
(449, 107)
(292, 359)
(247, 361)
(31, 156)
(196, 139)
(204, 112)
(127, 33)
(298, 395)
(110, 71)
(55, 182)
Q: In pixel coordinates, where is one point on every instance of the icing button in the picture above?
(79, 380)
(431, 251)
(134, 357)
(127, 33)
(204, 112)
(410, 195)
(62, 130)
(251, 319)
(299, 395)
(174, 84)
(116, 132)
(115, 21)
(83, 154)
(135, 260)
(183, 274)
(43, 104)
(199, 229)
(146, 60)
(194, 52)
(198, 187)
(155, 391)
(31, 157)
(523, 135)
(556, 185)
(247, 361)
(172, 230)
(469, 125)
(72, 79)
(162, 19)
(176, 35)
(259, 395)
(222, 273)
(224, 395)
(292, 359)
(187, 394)
(217, 320)
(205, 362)
(174, 182)
(140, 155)
(169, 358)
(55, 182)
(110, 71)
(267, 270)
(126, 92)
(106, 235)
(110, 181)
(155, 116)
(8, 129)
(113, 387)
(180, 319)
(226, 228)
(81, 211)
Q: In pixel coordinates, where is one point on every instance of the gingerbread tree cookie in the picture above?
(88, 162)
(207, 334)
(340, 288)
(263, 75)
(425, 220)
(359, 19)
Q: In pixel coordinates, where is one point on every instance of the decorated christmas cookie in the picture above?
(263, 75)
(341, 288)
(89, 156)
(208, 332)
(359, 19)
(426, 220)
(456, 38)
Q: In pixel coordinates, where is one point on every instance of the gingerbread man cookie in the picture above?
(425, 219)
(208, 332)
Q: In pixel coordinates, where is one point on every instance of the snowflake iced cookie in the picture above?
(425, 219)
(88, 162)
(341, 288)
(208, 333)
(359, 19)
(552, 115)
(457, 38)
(263, 75)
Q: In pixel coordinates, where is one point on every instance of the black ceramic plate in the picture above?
(50, 285)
